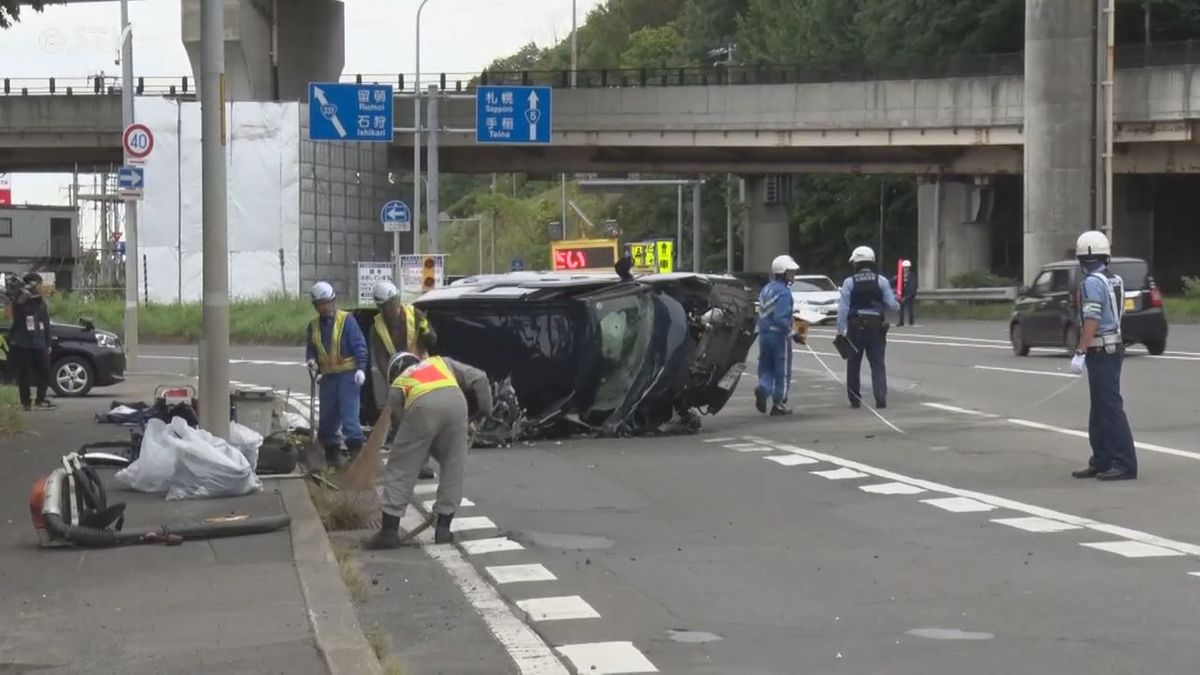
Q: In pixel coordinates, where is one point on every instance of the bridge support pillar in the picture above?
(765, 223)
(1060, 122)
(1133, 216)
(274, 49)
(954, 233)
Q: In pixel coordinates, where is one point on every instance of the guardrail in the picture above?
(970, 65)
(1004, 294)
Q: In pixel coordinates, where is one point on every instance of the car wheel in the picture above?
(1156, 347)
(72, 376)
(1018, 340)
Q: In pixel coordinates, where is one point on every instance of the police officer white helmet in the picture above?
(1093, 244)
(862, 254)
(384, 291)
(399, 363)
(906, 264)
(322, 291)
(784, 264)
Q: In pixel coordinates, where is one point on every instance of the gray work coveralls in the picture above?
(435, 424)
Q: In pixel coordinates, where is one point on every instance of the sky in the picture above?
(457, 36)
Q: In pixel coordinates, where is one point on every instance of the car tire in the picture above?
(72, 376)
(1156, 347)
(1017, 337)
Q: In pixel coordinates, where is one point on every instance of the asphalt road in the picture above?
(830, 542)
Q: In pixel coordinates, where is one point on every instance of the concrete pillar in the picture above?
(1059, 121)
(305, 37)
(953, 231)
(1133, 216)
(764, 227)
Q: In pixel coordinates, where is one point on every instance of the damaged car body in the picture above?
(593, 354)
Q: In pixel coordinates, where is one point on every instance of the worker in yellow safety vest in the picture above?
(397, 327)
(432, 403)
(336, 349)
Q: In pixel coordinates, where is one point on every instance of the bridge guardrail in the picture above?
(1003, 294)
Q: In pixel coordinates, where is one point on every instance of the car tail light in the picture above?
(1156, 299)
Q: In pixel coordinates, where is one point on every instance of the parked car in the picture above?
(81, 358)
(819, 294)
(1046, 313)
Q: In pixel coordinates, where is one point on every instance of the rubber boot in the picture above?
(442, 534)
(387, 537)
(333, 456)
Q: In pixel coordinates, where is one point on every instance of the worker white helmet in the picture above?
(322, 291)
(862, 254)
(399, 363)
(1092, 243)
(784, 264)
(384, 291)
(906, 263)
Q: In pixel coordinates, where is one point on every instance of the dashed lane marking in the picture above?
(1148, 447)
(961, 411)
(1133, 549)
(749, 447)
(472, 523)
(839, 474)
(891, 489)
(1020, 371)
(718, 440)
(959, 504)
(514, 574)
(428, 504)
(564, 608)
(1035, 524)
(492, 545)
(604, 658)
(791, 460)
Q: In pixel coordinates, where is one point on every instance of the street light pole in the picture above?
(214, 340)
(574, 54)
(416, 208)
(131, 208)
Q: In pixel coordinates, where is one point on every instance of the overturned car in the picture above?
(594, 354)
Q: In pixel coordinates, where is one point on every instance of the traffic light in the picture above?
(428, 278)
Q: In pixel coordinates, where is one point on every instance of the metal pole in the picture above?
(479, 222)
(563, 179)
(679, 228)
(745, 225)
(416, 207)
(431, 184)
(881, 261)
(493, 248)
(696, 227)
(131, 210)
(574, 56)
(729, 223)
(214, 340)
(1109, 82)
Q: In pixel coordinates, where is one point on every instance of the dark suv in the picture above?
(81, 357)
(1046, 314)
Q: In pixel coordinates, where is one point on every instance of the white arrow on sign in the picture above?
(329, 112)
(133, 179)
(533, 117)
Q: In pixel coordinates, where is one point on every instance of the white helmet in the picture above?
(784, 264)
(1092, 243)
(384, 291)
(906, 263)
(322, 291)
(862, 254)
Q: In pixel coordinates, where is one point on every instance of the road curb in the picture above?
(339, 635)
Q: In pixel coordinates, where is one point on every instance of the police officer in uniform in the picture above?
(1100, 353)
(865, 294)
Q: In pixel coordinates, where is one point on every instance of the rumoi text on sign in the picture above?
(138, 142)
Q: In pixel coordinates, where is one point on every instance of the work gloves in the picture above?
(359, 377)
(1079, 364)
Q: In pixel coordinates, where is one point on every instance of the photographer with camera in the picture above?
(29, 339)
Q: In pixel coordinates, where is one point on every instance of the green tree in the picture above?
(798, 32)
(10, 10)
(652, 46)
(705, 25)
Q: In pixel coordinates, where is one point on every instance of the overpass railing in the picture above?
(981, 65)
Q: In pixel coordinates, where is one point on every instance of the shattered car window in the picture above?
(625, 332)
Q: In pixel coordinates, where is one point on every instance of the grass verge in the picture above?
(12, 422)
(341, 510)
(382, 646)
(351, 574)
(276, 320)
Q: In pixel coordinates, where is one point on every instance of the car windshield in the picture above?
(816, 285)
(1133, 272)
(626, 326)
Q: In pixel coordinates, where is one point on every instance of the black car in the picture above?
(81, 357)
(1046, 314)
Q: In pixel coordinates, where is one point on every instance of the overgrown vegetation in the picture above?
(341, 510)
(12, 422)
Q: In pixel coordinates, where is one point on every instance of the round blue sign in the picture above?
(395, 212)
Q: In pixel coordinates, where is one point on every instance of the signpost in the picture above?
(130, 181)
(396, 217)
(583, 255)
(512, 115)
(518, 264)
(351, 112)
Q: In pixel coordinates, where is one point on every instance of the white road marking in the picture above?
(805, 351)
(891, 489)
(1035, 524)
(1171, 357)
(1002, 502)
(1133, 549)
(493, 545)
(826, 332)
(607, 658)
(526, 648)
(428, 504)
(839, 474)
(471, 523)
(791, 460)
(563, 608)
(749, 447)
(1025, 372)
(959, 504)
(247, 362)
(425, 489)
(718, 440)
(1148, 447)
(514, 574)
(963, 411)
(1194, 574)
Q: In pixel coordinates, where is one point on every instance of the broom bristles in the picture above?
(361, 473)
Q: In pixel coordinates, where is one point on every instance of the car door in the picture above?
(1031, 310)
(1059, 306)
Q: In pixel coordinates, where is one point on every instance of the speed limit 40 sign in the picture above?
(138, 142)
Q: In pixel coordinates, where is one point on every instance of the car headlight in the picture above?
(108, 340)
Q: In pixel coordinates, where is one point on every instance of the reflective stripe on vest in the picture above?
(332, 361)
(423, 378)
(410, 331)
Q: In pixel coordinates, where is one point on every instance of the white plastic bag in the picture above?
(247, 440)
(206, 466)
(151, 471)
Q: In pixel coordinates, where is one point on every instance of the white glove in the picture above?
(359, 377)
(311, 364)
(1079, 364)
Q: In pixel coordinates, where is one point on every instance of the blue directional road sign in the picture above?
(512, 114)
(518, 264)
(350, 112)
(131, 180)
(396, 217)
